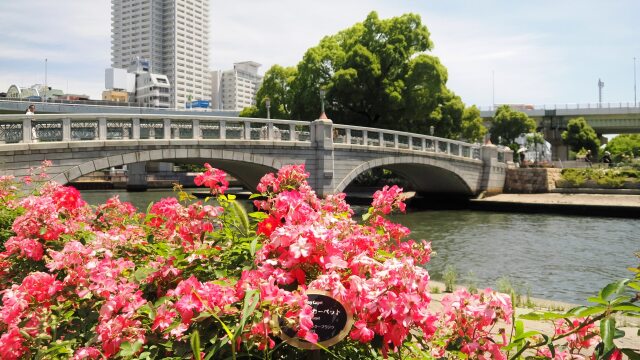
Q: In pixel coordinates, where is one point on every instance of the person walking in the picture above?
(31, 110)
(587, 157)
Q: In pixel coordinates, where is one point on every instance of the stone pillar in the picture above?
(135, 129)
(292, 132)
(102, 128)
(26, 130)
(166, 126)
(66, 129)
(493, 173)
(195, 129)
(137, 177)
(223, 129)
(322, 141)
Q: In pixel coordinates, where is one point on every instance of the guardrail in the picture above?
(568, 106)
(86, 127)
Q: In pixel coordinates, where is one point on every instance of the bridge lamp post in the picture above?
(431, 129)
(322, 94)
(267, 103)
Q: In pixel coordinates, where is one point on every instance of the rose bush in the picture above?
(192, 280)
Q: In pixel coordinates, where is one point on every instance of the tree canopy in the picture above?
(580, 135)
(276, 85)
(376, 73)
(508, 124)
(624, 145)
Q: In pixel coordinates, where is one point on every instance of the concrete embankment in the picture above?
(615, 205)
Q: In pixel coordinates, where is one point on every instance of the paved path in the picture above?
(568, 199)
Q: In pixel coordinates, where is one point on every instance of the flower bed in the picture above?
(209, 281)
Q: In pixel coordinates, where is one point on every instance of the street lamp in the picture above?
(267, 102)
(322, 94)
(431, 128)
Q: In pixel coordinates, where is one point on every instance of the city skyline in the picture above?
(547, 52)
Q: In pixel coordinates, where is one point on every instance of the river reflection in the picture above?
(566, 258)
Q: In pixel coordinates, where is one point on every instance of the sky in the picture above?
(496, 51)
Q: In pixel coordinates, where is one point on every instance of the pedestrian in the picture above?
(31, 110)
(606, 158)
(587, 157)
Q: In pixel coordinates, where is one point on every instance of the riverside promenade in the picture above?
(618, 205)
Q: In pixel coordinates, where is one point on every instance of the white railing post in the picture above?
(195, 129)
(395, 141)
(381, 139)
(292, 133)
(135, 129)
(448, 147)
(247, 130)
(166, 128)
(365, 137)
(347, 134)
(66, 129)
(270, 133)
(223, 129)
(424, 144)
(26, 130)
(102, 128)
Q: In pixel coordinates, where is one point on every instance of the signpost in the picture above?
(331, 322)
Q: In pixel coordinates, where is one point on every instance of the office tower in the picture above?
(173, 35)
(235, 89)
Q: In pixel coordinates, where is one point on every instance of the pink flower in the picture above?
(214, 179)
(361, 332)
(86, 353)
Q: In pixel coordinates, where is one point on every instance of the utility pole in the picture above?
(493, 90)
(45, 80)
(635, 102)
(600, 86)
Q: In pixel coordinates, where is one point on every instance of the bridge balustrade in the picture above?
(82, 127)
(356, 135)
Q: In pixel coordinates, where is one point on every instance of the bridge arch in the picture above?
(426, 175)
(247, 168)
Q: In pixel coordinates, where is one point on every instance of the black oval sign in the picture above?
(331, 321)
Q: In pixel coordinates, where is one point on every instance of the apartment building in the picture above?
(235, 89)
(173, 35)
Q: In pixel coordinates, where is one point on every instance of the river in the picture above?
(556, 257)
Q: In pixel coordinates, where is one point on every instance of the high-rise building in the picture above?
(235, 89)
(173, 35)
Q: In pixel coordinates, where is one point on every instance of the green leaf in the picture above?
(618, 334)
(526, 335)
(613, 288)
(254, 245)
(251, 300)
(595, 299)
(128, 349)
(537, 315)
(195, 344)
(627, 307)
(241, 215)
(607, 331)
(587, 311)
(631, 354)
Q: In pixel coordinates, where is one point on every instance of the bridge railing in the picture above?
(364, 136)
(82, 127)
(568, 106)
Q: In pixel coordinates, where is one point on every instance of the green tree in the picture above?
(535, 139)
(507, 124)
(624, 145)
(580, 135)
(473, 129)
(377, 74)
(276, 85)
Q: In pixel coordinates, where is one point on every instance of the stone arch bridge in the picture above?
(334, 155)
